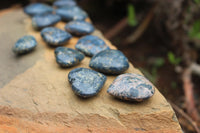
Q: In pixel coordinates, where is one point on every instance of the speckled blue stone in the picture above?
(37, 8)
(64, 3)
(67, 57)
(71, 13)
(131, 87)
(86, 82)
(109, 62)
(54, 36)
(91, 45)
(25, 45)
(79, 28)
(45, 20)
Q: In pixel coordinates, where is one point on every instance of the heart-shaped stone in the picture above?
(54, 36)
(71, 13)
(25, 45)
(64, 3)
(67, 57)
(131, 87)
(91, 45)
(86, 82)
(37, 8)
(109, 62)
(79, 28)
(45, 20)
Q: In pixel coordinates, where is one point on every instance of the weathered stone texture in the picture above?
(37, 97)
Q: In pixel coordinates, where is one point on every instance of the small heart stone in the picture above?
(25, 45)
(37, 8)
(91, 45)
(86, 82)
(54, 36)
(131, 87)
(64, 3)
(67, 57)
(109, 62)
(79, 28)
(71, 13)
(45, 20)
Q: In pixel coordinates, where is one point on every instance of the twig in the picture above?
(116, 28)
(195, 68)
(188, 89)
(142, 27)
(187, 117)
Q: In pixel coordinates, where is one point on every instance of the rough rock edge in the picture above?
(13, 118)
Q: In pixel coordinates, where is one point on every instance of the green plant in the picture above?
(195, 30)
(153, 74)
(150, 76)
(159, 62)
(197, 1)
(173, 59)
(173, 85)
(132, 21)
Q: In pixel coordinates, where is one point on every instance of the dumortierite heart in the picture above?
(45, 20)
(79, 28)
(91, 45)
(71, 13)
(86, 82)
(37, 8)
(67, 57)
(63, 3)
(25, 45)
(109, 62)
(54, 36)
(131, 87)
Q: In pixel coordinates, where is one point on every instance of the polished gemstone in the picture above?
(25, 45)
(54, 36)
(109, 62)
(131, 87)
(67, 57)
(86, 82)
(79, 28)
(64, 3)
(71, 13)
(45, 20)
(91, 45)
(37, 8)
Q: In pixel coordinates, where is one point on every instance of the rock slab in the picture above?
(36, 97)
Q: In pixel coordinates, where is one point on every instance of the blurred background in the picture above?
(161, 38)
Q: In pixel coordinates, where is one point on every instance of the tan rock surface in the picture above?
(41, 96)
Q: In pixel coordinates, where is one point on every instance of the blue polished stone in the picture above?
(86, 82)
(109, 62)
(25, 45)
(131, 87)
(67, 57)
(37, 8)
(91, 45)
(79, 28)
(54, 36)
(71, 13)
(45, 20)
(64, 3)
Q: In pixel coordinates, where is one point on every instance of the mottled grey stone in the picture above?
(131, 87)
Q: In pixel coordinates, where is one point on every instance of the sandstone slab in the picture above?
(36, 97)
